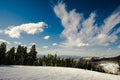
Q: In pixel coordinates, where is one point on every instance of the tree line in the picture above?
(20, 56)
(17, 56)
(54, 60)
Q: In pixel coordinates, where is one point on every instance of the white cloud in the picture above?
(84, 32)
(118, 46)
(30, 45)
(46, 37)
(1, 31)
(54, 44)
(18, 43)
(33, 43)
(83, 51)
(45, 47)
(29, 28)
(5, 41)
(82, 44)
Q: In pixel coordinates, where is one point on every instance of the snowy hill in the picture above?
(110, 67)
(51, 73)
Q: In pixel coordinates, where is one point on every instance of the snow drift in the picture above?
(51, 73)
(110, 67)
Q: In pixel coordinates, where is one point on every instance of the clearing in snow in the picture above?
(51, 73)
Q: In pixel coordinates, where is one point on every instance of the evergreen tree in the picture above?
(44, 59)
(32, 55)
(3, 53)
(25, 55)
(55, 60)
(11, 56)
(68, 62)
(18, 55)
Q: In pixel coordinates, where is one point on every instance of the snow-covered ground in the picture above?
(110, 67)
(51, 73)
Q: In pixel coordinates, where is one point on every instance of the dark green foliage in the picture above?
(32, 55)
(11, 56)
(18, 55)
(69, 62)
(3, 53)
(24, 55)
(53, 60)
(21, 56)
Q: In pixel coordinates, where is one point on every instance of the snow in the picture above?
(110, 67)
(51, 73)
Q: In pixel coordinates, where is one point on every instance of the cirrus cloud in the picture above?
(4, 41)
(18, 43)
(54, 44)
(45, 47)
(85, 32)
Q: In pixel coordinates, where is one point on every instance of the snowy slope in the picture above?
(110, 67)
(51, 73)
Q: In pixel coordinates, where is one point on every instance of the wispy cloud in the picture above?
(18, 43)
(1, 31)
(81, 52)
(46, 37)
(5, 41)
(45, 47)
(33, 43)
(118, 46)
(79, 32)
(54, 44)
(29, 28)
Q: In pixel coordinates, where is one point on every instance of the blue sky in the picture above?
(65, 27)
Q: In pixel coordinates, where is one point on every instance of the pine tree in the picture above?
(3, 53)
(32, 55)
(18, 55)
(11, 56)
(55, 60)
(25, 55)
